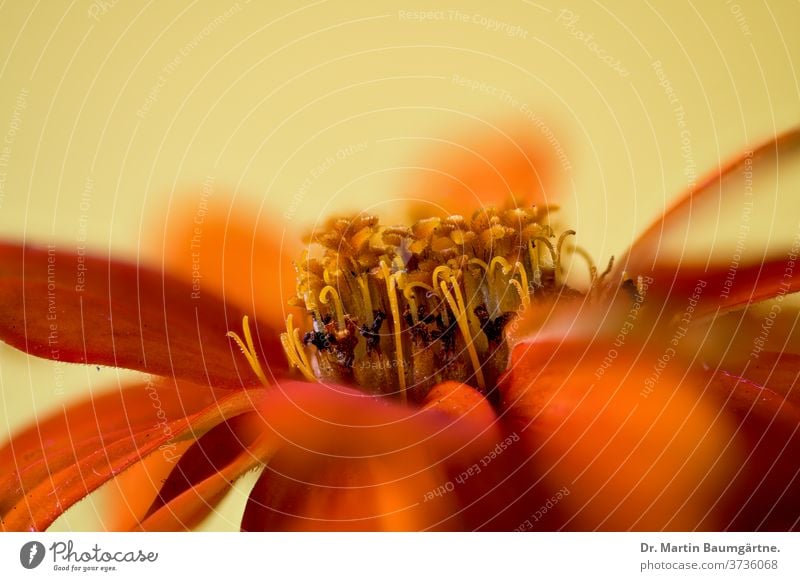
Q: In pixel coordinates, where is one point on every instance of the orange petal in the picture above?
(773, 374)
(719, 289)
(764, 492)
(227, 246)
(460, 400)
(207, 456)
(627, 449)
(88, 309)
(759, 186)
(59, 461)
(191, 506)
(492, 166)
(352, 462)
(128, 496)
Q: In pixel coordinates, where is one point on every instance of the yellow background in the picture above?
(131, 103)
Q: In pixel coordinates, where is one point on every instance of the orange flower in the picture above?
(447, 376)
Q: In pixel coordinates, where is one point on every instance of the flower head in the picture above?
(445, 374)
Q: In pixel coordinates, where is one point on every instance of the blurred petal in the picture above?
(722, 289)
(207, 456)
(88, 309)
(491, 166)
(461, 400)
(352, 462)
(62, 459)
(228, 246)
(129, 495)
(723, 219)
(191, 506)
(631, 449)
(764, 493)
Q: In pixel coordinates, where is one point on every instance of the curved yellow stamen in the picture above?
(391, 290)
(607, 271)
(249, 350)
(557, 266)
(526, 301)
(479, 262)
(364, 286)
(412, 301)
(502, 262)
(517, 268)
(561, 239)
(337, 302)
(311, 304)
(535, 260)
(549, 245)
(448, 272)
(522, 286)
(460, 311)
(295, 351)
(295, 334)
(589, 263)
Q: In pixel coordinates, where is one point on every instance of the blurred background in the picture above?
(115, 114)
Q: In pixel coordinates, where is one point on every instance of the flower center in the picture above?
(396, 310)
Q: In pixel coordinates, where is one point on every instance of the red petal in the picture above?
(351, 462)
(461, 400)
(757, 187)
(232, 248)
(190, 507)
(764, 493)
(209, 455)
(778, 372)
(720, 289)
(64, 458)
(86, 309)
(620, 447)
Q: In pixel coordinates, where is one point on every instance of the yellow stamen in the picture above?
(502, 262)
(364, 286)
(448, 272)
(521, 285)
(398, 344)
(412, 301)
(607, 271)
(249, 350)
(549, 245)
(459, 310)
(589, 262)
(561, 239)
(299, 347)
(535, 260)
(480, 263)
(337, 302)
(295, 350)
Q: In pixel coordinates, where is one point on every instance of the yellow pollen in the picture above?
(398, 343)
(249, 350)
(459, 310)
(337, 302)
